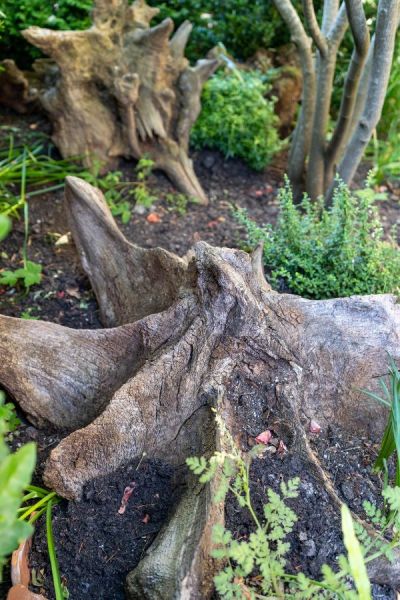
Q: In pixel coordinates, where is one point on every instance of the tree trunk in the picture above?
(313, 158)
(187, 331)
(122, 88)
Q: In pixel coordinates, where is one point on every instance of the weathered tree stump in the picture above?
(181, 330)
(124, 88)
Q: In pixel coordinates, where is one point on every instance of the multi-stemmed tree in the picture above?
(315, 158)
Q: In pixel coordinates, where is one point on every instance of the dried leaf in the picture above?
(125, 498)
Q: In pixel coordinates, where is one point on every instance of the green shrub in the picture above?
(64, 14)
(237, 119)
(327, 253)
(240, 25)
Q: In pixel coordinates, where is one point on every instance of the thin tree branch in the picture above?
(313, 27)
(338, 28)
(329, 14)
(359, 29)
(302, 135)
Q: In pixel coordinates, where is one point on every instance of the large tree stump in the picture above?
(182, 330)
(124, 88)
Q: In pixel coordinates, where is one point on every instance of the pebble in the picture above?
(307, 488)
(310, 549)
(209, 161)
(347, 490)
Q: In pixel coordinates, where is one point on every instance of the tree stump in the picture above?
(180, 330)
(123, 88)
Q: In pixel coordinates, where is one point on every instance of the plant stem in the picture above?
(52, 554)
(34, 507)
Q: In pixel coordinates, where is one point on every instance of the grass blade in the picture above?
(55, 571)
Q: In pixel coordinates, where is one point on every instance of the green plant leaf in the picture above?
(355, 556)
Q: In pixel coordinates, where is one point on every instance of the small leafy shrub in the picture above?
(237, 119)
(256, 566)
(327, 253)
(15, 474)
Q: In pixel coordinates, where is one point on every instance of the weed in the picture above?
(31, 273)
(27, 315)
(327, 253)
(179, 203)
(237, 119)
(256, 567)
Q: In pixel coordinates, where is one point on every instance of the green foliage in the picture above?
(256, 567)
(119, 194)
(15, 474)
(242, 26)
(5, 226)
(328, 253)
(237, 119)
(179, 203)
(30, 274)
(391, 437)
(355, 556)
(20, 14)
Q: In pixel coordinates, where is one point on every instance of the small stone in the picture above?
(209, 161)
(307, 488)
(303, 536)
(347, 490)
(310, 549)
(139, 209)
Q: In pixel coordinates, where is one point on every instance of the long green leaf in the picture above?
(355, 556)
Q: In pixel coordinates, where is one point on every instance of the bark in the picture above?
(360, 33)
(302, 135)
(219, 337)
(123, 88)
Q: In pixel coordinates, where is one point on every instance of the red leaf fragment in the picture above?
(315, 427)
(264, 437)
(146, 519)
(127, 494)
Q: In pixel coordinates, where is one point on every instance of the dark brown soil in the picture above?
(96, 547)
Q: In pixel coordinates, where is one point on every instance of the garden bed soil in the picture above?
(96, 546)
